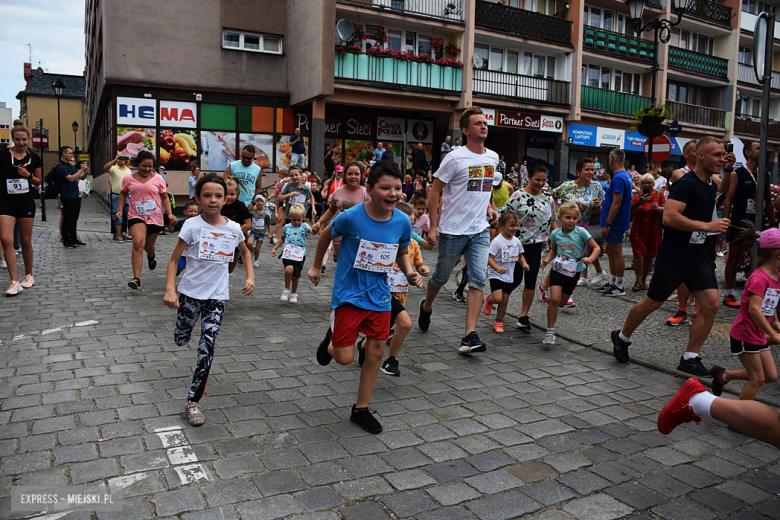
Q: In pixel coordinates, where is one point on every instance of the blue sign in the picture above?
(583, 134)
(536, 139)
(634, 142)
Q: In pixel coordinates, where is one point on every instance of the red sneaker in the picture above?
(498, 326)
(730, 301)
(487, 308)
(678, 410)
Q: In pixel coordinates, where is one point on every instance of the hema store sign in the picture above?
(143, 112)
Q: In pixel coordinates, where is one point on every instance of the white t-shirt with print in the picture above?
(505, 254)
(205, 279)
(659, 183)
(465, 198)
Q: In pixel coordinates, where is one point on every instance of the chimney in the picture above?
(28, 73)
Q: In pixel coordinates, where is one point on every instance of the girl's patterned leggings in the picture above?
(211, 312)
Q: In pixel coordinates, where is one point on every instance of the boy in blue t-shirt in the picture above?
(375, 236)
(294, 252)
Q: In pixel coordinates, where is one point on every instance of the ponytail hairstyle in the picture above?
(232, 181)
(747, 240)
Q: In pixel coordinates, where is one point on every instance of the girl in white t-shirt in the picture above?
(209, 242)
(505, 251)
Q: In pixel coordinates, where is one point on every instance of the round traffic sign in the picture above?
(40, 140)
(662, 148)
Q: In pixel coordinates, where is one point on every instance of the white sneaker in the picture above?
(549, 338)
(600, 279)
(286, 295)
(3, 265)
(582, 282)
(13, 289)
(570, 304)
(256, 264)
(294, 298)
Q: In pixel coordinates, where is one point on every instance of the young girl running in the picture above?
(236, 211)
(568, 247)
(209, 241)
(294, 252)
(757, 325)
(505, 251)
(145, 218)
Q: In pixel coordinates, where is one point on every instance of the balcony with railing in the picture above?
(698, 63)
(746, 74)
(616, 44)
(505, 85)
(446, 10)
(749, 126)
(611, 101)
(393, 73)
(711, 12)
(523, 23)
(696, 115)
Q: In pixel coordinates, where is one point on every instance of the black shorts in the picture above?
(740, 347)
(667, 278)
(17, 206)
(501, 285)
(395, 309)
(151, 229)
(297, 266)
(533, 257)
(566, 283)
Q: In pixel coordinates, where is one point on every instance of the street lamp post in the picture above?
(662, 30)
(58, 87)
(75, 127)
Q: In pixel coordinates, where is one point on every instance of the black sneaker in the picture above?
(524, 322)
(323, 268)
(607, 286)
(361, 352)
(390, 367)
(365, 419)
(323, 357)
(717, 386)
(694, 367)
(458, 297)
(424, 318)
(69, 246)
(471, 343)
(614, 291)
(620, 348)
(135, 283)
(79, 243)
(152, 262)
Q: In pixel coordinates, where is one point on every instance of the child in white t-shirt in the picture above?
(506, 252)
(422, 224)
(293, 242)
(209, 242)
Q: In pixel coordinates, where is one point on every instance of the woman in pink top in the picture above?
(757, 325)
(350, 194)
(145, 218)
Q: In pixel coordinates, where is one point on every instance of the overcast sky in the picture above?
(55, 28)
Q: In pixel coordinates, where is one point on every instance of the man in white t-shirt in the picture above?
(465, 180)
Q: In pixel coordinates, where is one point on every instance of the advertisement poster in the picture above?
(284, 152)
(178, 148)
(353, 147)
(264, 148)
(130, 141)
(420, 131)
(428, 148)
(397, 149)
(218, 150)
(338, 151)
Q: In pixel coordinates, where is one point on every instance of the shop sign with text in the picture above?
(490, 115)
(536, 139)
(359, 128)
(390, 128)
(136, 111)
(176, 114)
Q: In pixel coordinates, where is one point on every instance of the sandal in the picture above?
(637, 287)
(194, 414)
(643, 287)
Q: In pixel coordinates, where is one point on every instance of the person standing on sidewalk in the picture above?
(71, 197)
(465, 180)
(741, 204)
(615, 221)
(117, 169)
(682, 257)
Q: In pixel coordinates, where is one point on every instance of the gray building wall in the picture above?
(311, 36)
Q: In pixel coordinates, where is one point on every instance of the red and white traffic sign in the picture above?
(40, 140)
(662, 148)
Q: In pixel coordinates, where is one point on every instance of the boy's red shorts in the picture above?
(347, 321)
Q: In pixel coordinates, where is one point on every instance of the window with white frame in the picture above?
(606, 19)
(748, 107)
(540, 6)
(526, 63)
(606, 78)
(754, 7)
(692, 42)
(251, 42)
(745, 55)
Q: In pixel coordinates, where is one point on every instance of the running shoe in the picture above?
(285, 295)
(3, 265)
(361, 352)
(720, 254)
(194, 414)
(620, 348)
(152, 261)
(583, 282)
(544, 294)
(118, 238)
(678, 410)
(524, 322)
(424, 318)
(570, 304)
(364, 418)
(600, 279)
(549, 338)
(614, 291)
(695, 313)
(69, 246)
(471, 343)
(79, 243)
(14, 288)
(293, 297)
(390, 367)
(694, 367)
(717, 386)
(488, 307)
(730, 301)
(498, 326)
(28, 281)
(606, 287)
(323, 356)
(255, 264)
(135, 283)
(677, 319)
(458, 297)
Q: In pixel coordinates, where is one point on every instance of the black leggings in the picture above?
(211, 312)
(533, 256)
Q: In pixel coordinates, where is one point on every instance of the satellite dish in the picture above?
(344, 31)
(477, 60)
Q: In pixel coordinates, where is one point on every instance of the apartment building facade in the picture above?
(557, 79)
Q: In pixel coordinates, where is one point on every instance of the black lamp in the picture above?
(75, 127)
(59, 88)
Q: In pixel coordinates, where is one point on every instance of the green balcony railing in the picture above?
(616, 44)
(698, 63)
(611, 101)
(392, 72)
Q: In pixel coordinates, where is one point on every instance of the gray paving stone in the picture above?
(683, 509)
(547, 493)
(583, 482)
(92, 471)
(409, 479)
(719, 501)
(447, 471)
(636, 496)
(405, 458)
(283, 459)
(276, 482)
(132, 509)
(230, 492)
(693, 476)
(447, 513)
(148, 460)
(490, 461)
(220, 513)
(409, 503)
(323, 473)
(234, 466)
(365, 466)
(120, 447)
(765, 480)
(179, 501)
(665, 485)
(452, 493)
(364, 487)
(597, 507)
(319, 498)
(363, 511)
(81, 453)
(500, 507)
(744, 491)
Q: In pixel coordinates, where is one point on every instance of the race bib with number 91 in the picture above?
(17, 186)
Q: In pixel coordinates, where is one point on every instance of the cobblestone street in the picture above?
(92, 388)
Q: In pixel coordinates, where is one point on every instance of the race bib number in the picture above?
(258, 223)
(398, 282)
(299, 199)
(217, 246)
(510, 253)
(146, 207)
(294, 253)
(769, 303)
(751, 206)
(698, 237)
(375, 256)
(565, 266)
(17, 186)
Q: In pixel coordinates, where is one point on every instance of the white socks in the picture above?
(612, 279)
(624, 338)
(690, 355)
(701, 404)
(619, 281)
(729, 292)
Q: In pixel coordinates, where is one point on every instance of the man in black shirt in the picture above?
(740, 205)
(689, 217)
